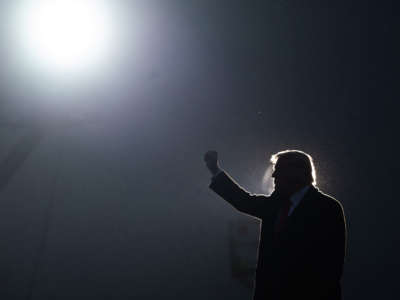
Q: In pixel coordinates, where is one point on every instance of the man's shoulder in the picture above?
(326, 201)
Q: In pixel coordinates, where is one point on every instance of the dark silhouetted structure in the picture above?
(303, 234)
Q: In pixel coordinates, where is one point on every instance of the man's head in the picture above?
(293, 169)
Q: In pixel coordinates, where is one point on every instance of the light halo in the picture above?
(64, 36)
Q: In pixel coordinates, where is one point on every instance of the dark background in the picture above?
(112, 202)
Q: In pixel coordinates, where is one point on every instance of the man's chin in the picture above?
(284, 191)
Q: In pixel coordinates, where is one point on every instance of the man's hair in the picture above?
(299, 159)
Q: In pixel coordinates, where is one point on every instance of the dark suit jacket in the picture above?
(306, 261)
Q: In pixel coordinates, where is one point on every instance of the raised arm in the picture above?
(226, 187)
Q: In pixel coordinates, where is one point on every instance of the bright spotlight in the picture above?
(64, 35)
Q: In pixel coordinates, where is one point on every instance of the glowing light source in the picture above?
(64, 35)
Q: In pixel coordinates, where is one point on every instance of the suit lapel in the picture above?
(301, 210)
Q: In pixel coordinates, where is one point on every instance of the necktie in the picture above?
(280, 224)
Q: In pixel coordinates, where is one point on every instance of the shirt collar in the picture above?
(296, 197)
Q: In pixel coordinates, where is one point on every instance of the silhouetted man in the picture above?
(303, 234)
